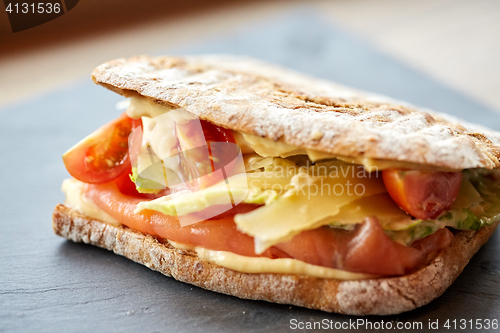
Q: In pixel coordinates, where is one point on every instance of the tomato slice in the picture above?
(422, 194)
(103, 155)
(207, 151)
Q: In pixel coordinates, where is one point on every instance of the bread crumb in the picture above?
(316, 135)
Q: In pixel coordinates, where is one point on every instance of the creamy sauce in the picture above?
(75, 199)
(265, 265)
(268, 148)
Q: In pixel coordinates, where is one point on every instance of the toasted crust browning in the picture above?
(281, 105)
(382, 296)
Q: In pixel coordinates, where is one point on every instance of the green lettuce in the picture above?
(219, 194)
(144, 185)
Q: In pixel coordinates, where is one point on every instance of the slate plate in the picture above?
(48, 284)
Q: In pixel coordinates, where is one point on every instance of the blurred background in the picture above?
(456, 42)
(441, 54)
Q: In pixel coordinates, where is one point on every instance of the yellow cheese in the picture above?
(226, 193)
(265, 265)
(258, 187)
(268, 148)
(467, 195)
(307, 205)
(380, 205)
(254, 161)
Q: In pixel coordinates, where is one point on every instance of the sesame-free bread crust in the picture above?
(382, 296)
(272, 102)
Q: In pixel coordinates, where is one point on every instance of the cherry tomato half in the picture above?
(103, 155)
(423, 194)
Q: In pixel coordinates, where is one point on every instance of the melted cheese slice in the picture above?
(380, 205)
(258, 187)
(306, 206)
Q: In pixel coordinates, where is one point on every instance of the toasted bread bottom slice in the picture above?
(382, 296)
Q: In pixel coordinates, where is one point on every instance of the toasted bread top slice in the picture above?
(278, 104)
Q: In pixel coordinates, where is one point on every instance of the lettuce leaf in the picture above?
(144, 185)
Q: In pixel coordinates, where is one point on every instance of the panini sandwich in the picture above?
(248, 179)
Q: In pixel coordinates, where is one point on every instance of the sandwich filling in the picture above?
(163, 172)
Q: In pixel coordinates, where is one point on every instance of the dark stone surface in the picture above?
(48, 284)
